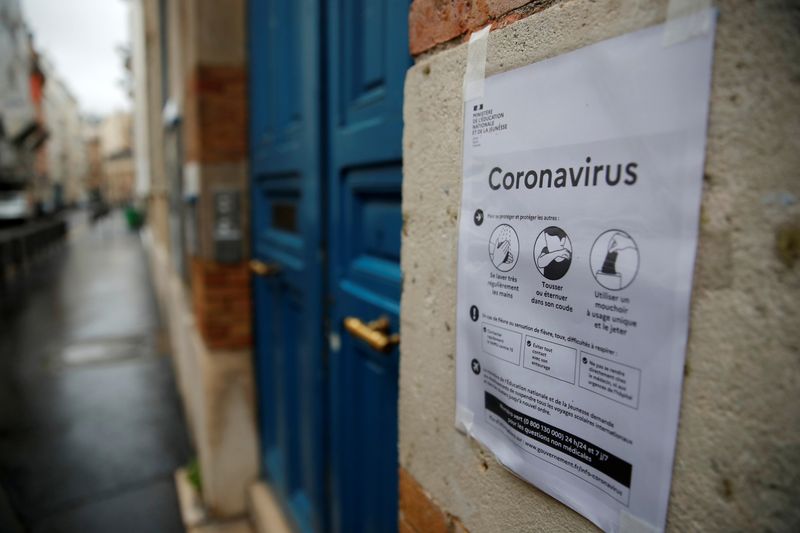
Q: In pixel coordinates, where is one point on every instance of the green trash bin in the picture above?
(134, 217)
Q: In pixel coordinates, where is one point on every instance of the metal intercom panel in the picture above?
(228, 245)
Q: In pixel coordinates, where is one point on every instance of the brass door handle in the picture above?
(375, 333)
(260, 268)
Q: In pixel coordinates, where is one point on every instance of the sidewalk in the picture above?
(91, 430)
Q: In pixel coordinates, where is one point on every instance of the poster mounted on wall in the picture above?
(582, 178)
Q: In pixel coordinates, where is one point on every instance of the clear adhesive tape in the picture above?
(464, 419)
(476, 64)
(685, 19)
(629, 523)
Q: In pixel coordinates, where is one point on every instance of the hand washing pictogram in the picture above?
(504, 248)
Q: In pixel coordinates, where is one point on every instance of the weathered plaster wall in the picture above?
(210, 327)
(218, 392)
(158, 204)
(738, 454)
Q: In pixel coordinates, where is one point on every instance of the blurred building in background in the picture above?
(21, 128)
(94, 155)
(66, 166)
(115, 136)
(44, 165)
(268, 141)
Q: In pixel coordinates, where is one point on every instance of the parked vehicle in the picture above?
(14, 205)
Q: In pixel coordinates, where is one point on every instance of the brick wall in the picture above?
(222, 305)
(433, 22)
(216, 139)
(216, 114)
(419, 513)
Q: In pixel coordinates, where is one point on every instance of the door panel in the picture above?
(369, 244)
(344, 147)
(286, 214)
(363, 381)
(367, 60)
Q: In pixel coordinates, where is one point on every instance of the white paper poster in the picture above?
(579, 219)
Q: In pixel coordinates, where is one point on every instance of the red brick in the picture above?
(419, 513)
(220, 291)
(417, 509)
(221, 303)
(432, 22)
(216, 114)
(457, 526)
(404, 527)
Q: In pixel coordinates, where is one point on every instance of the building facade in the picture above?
(190, 148)
(44, 163)
(65, 164)
(114, 137)
(21, 130)
(302, 168)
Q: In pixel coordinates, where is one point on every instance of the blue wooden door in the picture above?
(286, 193)
(367, 58)
(326, 123)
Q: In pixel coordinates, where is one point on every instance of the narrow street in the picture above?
(91, 429)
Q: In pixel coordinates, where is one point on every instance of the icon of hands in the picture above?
(620, 242)
(502, 254)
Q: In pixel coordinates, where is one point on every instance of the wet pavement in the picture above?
(91, 429)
